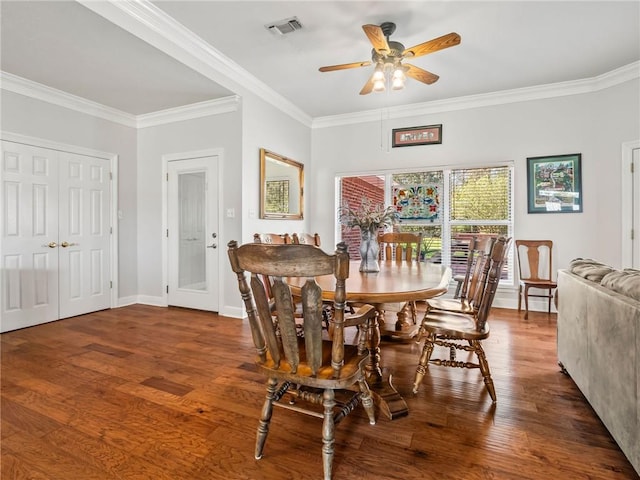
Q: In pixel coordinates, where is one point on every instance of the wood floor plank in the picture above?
(50, 459)
(154, 393)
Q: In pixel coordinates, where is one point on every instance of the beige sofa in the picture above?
(599, 345)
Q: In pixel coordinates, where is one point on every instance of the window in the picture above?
(447, 206)
(277, 200)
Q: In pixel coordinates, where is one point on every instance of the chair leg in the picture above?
(367, 401)
(550, 295)
(421, 331)
(423, 364)
(328, 432)
(458, 287)
(265, 417)
(526, 302)
(484, 369)
(519, 297)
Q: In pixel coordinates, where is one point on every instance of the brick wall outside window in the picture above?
(353, 190)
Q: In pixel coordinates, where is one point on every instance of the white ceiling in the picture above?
(505, 45)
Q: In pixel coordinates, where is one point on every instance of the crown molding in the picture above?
(606, 80)
(189, 112)
(146, 21)
(32, 89)
(151, 24)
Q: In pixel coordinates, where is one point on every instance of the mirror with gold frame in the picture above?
(281, 186)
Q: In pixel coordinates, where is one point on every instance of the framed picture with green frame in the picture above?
(554, 184)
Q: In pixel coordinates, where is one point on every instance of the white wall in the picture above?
(28, 116)
(594, 124)
(217, 131)
(264, 126)
(140, 176)
(240, 134)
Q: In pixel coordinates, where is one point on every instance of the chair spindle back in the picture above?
(268, 266)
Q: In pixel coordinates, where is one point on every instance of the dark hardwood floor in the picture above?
(166, 394)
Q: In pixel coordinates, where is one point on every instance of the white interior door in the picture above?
(55, 239)
(84, 251)
(29, 236)
(193, 250)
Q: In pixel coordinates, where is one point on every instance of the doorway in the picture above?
(56, 234)
(631, 205)
(193, 250)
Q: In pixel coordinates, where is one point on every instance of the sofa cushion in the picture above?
(626, 282)
(589, 269)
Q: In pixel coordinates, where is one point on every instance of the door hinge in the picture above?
(632, 167)
(167, 233)
(167, 288)
(111, 284)
(111, 230)
(167, 177)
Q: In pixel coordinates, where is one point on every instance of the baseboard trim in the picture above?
(154, 301)
(126, 301)
(233, 312)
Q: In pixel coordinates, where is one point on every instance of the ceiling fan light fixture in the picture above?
(378, 74)
(378, 85)
(398, 78)
(387, 56)
(397, 83)
(398, 73)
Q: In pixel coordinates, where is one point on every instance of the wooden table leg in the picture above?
(401, 329)
(374, 373)
(387, 397)
(380, 380)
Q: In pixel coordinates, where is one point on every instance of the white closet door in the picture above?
(84, 253)
(55, 240)
(29, 280)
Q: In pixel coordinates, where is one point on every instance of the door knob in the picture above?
(51, 245)
(213, 245)
(66, 244)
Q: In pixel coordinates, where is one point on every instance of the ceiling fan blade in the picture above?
(421, 75)
(344, 66)
(368, 87)
(377, 38)
(449, 40)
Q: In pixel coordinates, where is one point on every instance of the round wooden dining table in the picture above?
(396, 282)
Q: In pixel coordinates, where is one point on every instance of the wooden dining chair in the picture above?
(476, 243)
(306, 239)
(401, 246)
(307, 371)
(314, 240)
(479, 247)
(535, 270)
(465, 331)
(272, 238)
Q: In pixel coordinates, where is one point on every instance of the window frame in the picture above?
(445, 223)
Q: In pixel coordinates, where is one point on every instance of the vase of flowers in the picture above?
(369, 218)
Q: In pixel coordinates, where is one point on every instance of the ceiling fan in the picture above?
(387, 56)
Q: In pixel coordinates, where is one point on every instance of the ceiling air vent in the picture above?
(282, 27)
